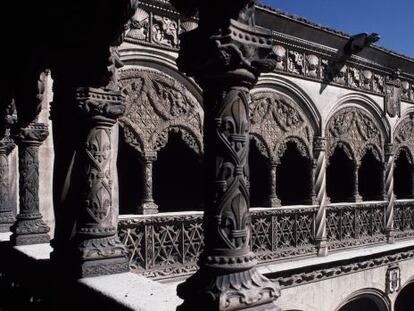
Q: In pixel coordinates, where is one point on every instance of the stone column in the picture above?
(98, 249)
(148, 205)
(389, 185)
(355, 195)
(7, 218)
(226, 57)
(274, 201)
(319, 148)
(30, 227)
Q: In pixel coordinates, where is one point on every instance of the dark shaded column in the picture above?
(148, 205)
(274, 201)
(226, 57)
(30, 227)
(7, 218)
(98, 248)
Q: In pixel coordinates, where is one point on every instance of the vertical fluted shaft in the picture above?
(30, 227)
(389, 185)
(321, 196)
(273, 199)
(6, 213)
(148, 205)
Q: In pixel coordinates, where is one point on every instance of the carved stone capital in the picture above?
(97, 102)
(389, 149)
(319, 144)
(34, 134)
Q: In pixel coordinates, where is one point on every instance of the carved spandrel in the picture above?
(157, 104)
(275, 117)
(354, 128)
(393, 94)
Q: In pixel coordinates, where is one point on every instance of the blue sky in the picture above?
(392, 19)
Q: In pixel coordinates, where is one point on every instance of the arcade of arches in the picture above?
(279, 176)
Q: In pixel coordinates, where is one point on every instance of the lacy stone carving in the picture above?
(277, 119)
(139, 26)
(404, 135)
(155, 105)
(355, 128)
(164, 31)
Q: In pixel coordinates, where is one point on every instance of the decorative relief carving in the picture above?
(139, 26)
(296, 62)
(393, 279)
(275, 118)
(404, 135)
(280, 53)
(312, 66)
(155, 105)
(354, 127)
(367, 79)
(378, 83)
(164, 31)
(393, 93)
(354, 77)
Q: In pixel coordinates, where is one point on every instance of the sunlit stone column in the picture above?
(226, 56)
(274, 201)
(389, 185)
(355, 195)
(319, 147)
(148, 205)
(30, 227)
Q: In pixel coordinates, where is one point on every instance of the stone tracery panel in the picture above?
(155, 105)
(354, 128)
(277, 119)
(404, 135)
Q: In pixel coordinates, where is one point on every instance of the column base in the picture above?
(243, 290)
(322, 247)
(147, 208)
(99, 256)
(29, 239)
(7, 220)
(390, 236)
(29, 231)
(356, 198)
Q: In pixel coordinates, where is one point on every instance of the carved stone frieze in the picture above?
(354, 128)
(296, 62)
(164, 31)
(6, 212)
(312, 66)
(139, 26)
(276, 119)
(155, 105)
(393, 94)
(280, 55)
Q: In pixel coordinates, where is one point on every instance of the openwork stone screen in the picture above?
(168, 245)
(353, 224)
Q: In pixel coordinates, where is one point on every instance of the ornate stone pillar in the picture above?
(355, 191)
(226, 57)
(274, 201)
(30, 227)
(319, 148)
(148, 205)
(98, 248)
(389, 185)
(7, 218)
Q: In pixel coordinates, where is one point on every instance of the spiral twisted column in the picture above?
(30, 227)
(389, 186)
(321, 196)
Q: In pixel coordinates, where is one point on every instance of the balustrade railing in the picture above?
(355, 224)
(167, 245)
(403, 219)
